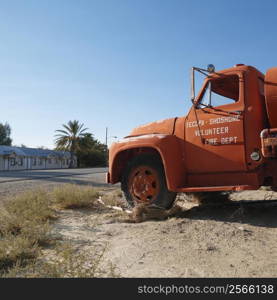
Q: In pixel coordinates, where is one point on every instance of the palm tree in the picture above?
(69, 138)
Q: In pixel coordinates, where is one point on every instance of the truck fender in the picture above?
(169, 148)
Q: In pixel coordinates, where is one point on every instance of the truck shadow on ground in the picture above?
(263, 214)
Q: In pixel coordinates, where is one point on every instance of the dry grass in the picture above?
(113, 198)
(24, 226)
(66, 262)
(24, 212)
(25, 229)
(73, 196)
(16, 250)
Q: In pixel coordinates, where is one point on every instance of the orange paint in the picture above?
(215, 147)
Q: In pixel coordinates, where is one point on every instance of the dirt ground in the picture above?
(235, 239)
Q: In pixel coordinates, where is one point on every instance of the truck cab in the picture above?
(226, 142)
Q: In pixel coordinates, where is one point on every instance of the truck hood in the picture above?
(158, 127)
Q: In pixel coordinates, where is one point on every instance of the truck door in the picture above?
(214, 127)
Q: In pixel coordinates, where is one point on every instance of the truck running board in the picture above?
(235, 188)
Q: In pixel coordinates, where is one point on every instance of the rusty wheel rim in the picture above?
(144, 184)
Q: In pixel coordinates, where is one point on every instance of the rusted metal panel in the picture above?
(270, 85)
(163, 127)
(235, 188)
(269, 142)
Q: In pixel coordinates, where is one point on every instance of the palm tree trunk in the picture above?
(72, 152)
(71, 163)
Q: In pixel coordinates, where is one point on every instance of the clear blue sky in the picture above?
(118, 63)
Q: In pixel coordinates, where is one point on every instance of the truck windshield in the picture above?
(223, 91)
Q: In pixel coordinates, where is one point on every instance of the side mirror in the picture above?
(211, 68)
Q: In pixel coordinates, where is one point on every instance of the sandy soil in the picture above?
(236, 239)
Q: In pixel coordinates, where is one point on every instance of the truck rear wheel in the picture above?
(143, 181)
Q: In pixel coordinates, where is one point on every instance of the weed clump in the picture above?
(71, 196)
(25, 229)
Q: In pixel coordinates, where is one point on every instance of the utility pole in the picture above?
(107, 158)
(107, 137)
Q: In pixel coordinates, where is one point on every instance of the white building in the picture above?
(17, 158)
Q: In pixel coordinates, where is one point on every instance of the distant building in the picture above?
(19, 158)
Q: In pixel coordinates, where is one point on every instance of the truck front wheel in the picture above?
(143, 181)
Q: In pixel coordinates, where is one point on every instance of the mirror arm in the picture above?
(192, 85)
(204, 72)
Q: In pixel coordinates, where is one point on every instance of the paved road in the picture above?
(9, 176)
(14, 182)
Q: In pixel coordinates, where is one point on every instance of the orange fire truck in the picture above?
(226, 142)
